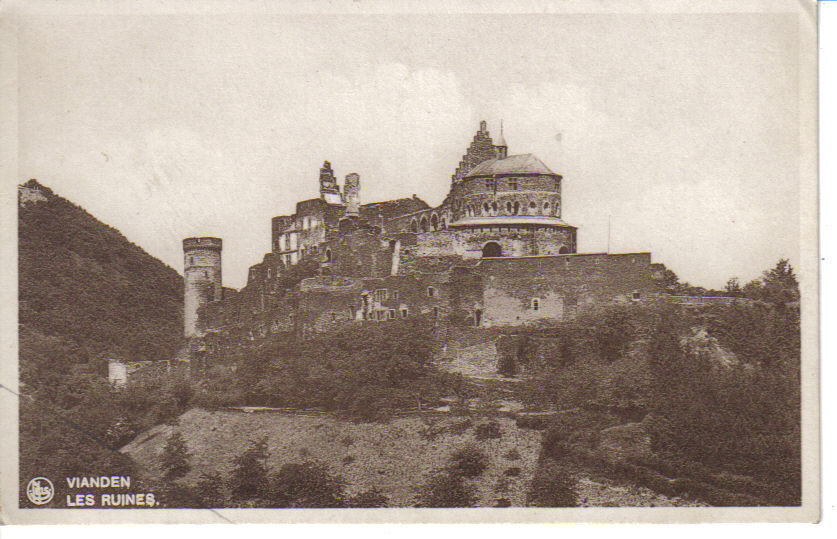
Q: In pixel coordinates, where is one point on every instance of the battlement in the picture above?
(205, 242)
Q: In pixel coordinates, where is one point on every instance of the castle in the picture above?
(494, 253)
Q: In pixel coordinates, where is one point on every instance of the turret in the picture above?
(351, 190)
(329, 190)
(201, 278)
(501, 147)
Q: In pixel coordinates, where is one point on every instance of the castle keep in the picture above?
(494, 253)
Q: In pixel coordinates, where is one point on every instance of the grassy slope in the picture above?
(393, 457)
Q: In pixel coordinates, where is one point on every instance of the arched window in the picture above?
(477, 317)
(486, 208)
(494, 207)
(516, 208)
(563, 250)
(532, 205)
(434, 222)
(328, 255)
(423, 224)
(546, 206)
(492, 249)
(508, 208)
(431, 292)
(413, 226)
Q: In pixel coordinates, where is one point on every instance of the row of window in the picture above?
(492, 184)
(384, 294)
(380, 315)
(511, 208)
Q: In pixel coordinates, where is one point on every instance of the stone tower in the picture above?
(329, 190)
(351, 190)
(201, 278)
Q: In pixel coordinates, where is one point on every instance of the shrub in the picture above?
(306, 485)
(175, 457)
(468, 461)
(485, 431)
(248, 479)
(445, 489)
(512, 472)
(552, 486)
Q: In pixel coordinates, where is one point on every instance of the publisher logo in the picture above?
(40, 490)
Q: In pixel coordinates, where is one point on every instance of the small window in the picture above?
(536, 304)
(404, 312)
(546, 206)
(269, 273)
(394, 294)
(489, 184)
(532, 205)
(486, 208)
(333, 317)
(494, 207)
(635, 295)
(508, 207)
(435, 312)
(431, 292)
(328, 256)
(391, 314)
(381, 294)
(191, 260)
(516, 208)
(513, 184)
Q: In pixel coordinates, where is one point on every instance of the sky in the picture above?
(680, 130)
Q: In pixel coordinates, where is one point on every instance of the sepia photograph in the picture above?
(408, 262)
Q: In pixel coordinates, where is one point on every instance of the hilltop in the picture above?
(86, 295)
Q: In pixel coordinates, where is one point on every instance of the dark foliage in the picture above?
(306, 485)
(488, 431)
(175, 458)
(367, 499)
(87, 295)
(468, 461)
(445, 489)
(552, 486)
(248, 479)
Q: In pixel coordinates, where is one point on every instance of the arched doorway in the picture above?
(423, 224)
(492, 249)
(563, 250)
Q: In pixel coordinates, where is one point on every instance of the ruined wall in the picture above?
(526, 290)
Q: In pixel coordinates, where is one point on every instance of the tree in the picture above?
(175, 457)
(445, 489)
(777, 285)
(248, 479)
(306, 485)
(733, 287)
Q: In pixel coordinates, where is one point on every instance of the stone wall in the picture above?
(552, 288)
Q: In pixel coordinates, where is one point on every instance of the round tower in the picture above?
(201, 278)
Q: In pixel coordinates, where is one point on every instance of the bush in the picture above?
(248, 479)
(512, 472)
(552, 486)
(445, 489)
(175, 457)
(485, 431)
(468, 461)
(306, 485)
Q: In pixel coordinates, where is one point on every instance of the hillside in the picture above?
(87, 295)
(394, 457)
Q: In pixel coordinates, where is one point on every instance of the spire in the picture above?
(501, 146)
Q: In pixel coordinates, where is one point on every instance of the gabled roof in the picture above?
(392, 208)
(525, 163)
